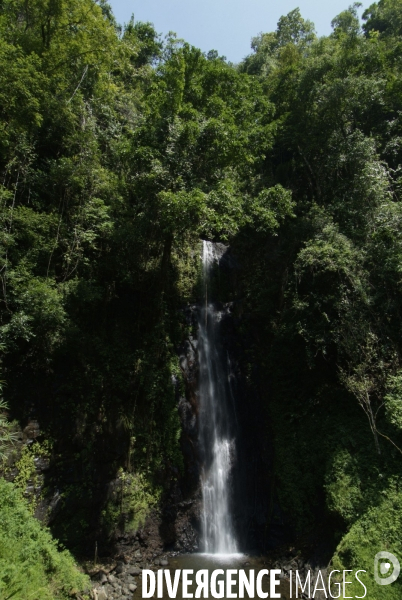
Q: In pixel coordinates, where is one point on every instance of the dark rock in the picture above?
(100, 577)
(120, 568)
(31, 431)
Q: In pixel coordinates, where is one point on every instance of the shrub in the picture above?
(31, 563)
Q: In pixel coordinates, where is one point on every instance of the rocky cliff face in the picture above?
(176, 525)
(257, 517)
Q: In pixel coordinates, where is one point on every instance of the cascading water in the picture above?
(215, 421)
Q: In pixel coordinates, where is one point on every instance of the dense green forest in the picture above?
(119, 150)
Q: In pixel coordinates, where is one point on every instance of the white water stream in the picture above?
(215, 419)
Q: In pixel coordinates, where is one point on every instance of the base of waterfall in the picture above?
(223, 556)
(233, 576)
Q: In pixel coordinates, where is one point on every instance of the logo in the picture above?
(382, 566)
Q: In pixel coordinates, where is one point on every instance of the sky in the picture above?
(225, 25)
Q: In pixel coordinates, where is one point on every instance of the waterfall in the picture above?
(215, 423)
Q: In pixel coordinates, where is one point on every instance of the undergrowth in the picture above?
(32, 566)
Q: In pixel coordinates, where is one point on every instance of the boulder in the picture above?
(120, 568)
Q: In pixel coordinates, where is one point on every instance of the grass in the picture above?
(32, 566)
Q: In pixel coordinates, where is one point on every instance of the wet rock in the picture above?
(41, 464)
